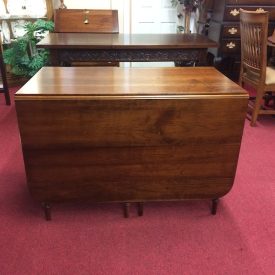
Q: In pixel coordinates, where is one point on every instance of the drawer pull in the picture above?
(86, 20)
(231, 45)
(232, 30)
(235, 12)
(260, 10)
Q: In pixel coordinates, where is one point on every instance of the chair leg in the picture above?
(7, 97)
(126, 207)
(256, 107)
(47, 211)
(214, 206)
(140, 208)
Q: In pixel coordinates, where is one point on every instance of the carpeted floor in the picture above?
(171, 238)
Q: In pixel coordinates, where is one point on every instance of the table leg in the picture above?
(214, 206)
(126, 207)
(47, 211)
(140, 208)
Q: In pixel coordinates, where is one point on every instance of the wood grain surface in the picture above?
(51, 82)
(86, 20)
(113, 134)
(125, 41)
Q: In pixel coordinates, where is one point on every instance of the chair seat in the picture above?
(270, 76)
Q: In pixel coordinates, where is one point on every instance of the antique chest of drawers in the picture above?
(224, 28)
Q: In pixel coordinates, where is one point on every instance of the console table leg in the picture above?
(140, 208)
(126, 207)
(47, 211)
(214, 206)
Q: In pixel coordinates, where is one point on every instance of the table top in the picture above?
(125, 41)
(113, 82)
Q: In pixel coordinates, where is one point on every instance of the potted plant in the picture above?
(185, 8)
(22, 55)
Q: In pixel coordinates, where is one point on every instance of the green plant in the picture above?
(23, 56)
(184, 9)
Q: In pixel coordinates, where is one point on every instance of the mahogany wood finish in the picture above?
(214, 206)
(250, 2)
(86, 21)
(69, 47)
(130, 135)
(225, 29)
(254, 29)
(140, 208)
(126, 207)
(47, 211)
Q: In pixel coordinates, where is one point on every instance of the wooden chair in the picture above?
(3, 77)
(254, 69)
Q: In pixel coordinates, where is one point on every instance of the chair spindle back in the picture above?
(253, 29)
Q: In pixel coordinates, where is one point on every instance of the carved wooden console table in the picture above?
(130, 134)
(70, 47)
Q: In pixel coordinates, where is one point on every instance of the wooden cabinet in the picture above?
(224, 28)
(14, 14)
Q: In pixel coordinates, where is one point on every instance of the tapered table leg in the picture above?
(47, 211)
(214, 206)
(126, 207)
(140, 208)
(7, 97)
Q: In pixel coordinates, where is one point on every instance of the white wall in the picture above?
(153, 16)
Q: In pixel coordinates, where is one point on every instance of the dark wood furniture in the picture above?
(69, 47)
(130, 135)
(254, 70)
(225, 29)
(87, 21)
(3, 77)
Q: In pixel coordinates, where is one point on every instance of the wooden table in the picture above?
(70, 47)
(130, 134)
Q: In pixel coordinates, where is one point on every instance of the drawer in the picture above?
(231, 46)
(250, 2)
(232, 30)
(233, 13)
(86, 21)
